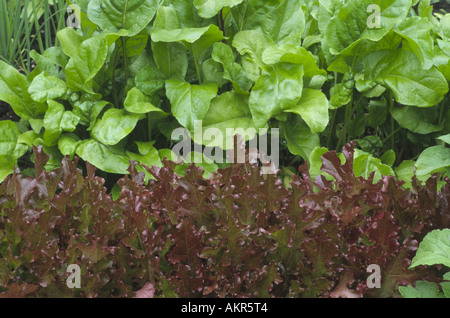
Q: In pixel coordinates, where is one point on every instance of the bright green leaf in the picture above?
(106, 158)
(433, 159)
(277, 89)
(313, 108)
(115, 125)
(434, 249)
(115, 15)
(190, 102)
(45, 86)
(138, 103)
(210, 8)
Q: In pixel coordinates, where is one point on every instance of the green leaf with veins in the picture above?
(115, 15)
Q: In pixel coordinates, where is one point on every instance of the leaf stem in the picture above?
(392, 134)
(116, 99)
(197, 68)
(344, 134)
(125, 58)
(243, 16)
(331, 132)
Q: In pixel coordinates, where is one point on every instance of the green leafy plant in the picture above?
(433, 250)
(27, 25)
(117, 87)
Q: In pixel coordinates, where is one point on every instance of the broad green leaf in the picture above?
(197, 40)
(166, 19)
(300, 140)
(445, 26)
(188, 15)
(52, 123)
(9, 134)
(295, 55)
(353, 23)
(53, 61)
(68, 143)
(106, 158)
(370, 144)
(283, 21)
(14, 91)
(400, 71)
(45, 86)
(445, 138)
(340, 95)
(88, 111)
(278, 88)
(423, 289)
(69, 121)
(313, 108)
(388, 158)
(150, 80)
(377, 113)
(212, 71)
(417, 32)
(315, 163)
(135, 45)
(116, 15)
(359, 49)
(405, 172)
(28, 138)
(446, 285)
(148, 155)
(434, 249)
(36, 124)
(90, 57)
(70, 41)
(255, 43)
(138, 103)
(210, 8)
(228, 113)
(190, 102)
(433, 159)
(364, 164)
(233, 71)
(171, 58)
(115, 125)
(7, 164)
(415, 119)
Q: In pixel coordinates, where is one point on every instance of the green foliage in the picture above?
(433, 250)
(26, 25)
(323, 72)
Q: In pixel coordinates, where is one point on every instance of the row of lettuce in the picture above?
(238, 234)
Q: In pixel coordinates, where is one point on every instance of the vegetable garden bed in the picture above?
(351, 98)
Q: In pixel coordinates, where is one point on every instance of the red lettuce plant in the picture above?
(237, 234)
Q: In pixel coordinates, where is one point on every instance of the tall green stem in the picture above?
(392, 134)
(125, 58)
(332, 130)
(344, 134)
(197, 68)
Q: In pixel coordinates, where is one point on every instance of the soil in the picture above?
(6, 112)
(443, 4)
